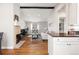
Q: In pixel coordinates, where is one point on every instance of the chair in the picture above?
(1, 35)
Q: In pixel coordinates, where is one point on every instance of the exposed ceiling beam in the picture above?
(35, 7)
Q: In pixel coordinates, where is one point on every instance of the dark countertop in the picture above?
(65, 36)
(56, 35)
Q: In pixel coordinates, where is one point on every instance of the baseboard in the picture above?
(17, 46)
(7, 48)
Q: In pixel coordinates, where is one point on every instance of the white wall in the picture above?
(53, 22)
(35, 15)
(6, 24)
(22, 22)
(16, 11)
(7, 12)
(58, 12)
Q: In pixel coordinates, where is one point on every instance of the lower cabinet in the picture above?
(66, 45)
(50, 45)
(63, 45)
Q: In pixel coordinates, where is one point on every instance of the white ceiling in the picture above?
(36, 15)
(39, 4)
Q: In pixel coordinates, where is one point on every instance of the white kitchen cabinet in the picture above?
(72, 13)
(65, 45)
(71, 16)
(50, 45)
(77, 13)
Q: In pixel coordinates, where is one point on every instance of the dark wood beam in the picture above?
(26, 7)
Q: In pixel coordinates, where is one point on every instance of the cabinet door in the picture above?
(60, 46)
(50, 45)
(66, 45)
(72, 13)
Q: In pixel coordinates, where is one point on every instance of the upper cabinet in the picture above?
(72, 13)
(77, 14)
(72, 16)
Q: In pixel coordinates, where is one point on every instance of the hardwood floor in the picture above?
(30, 47)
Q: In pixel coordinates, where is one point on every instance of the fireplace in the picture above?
(21, 35)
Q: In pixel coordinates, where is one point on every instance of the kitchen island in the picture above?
(63, 45)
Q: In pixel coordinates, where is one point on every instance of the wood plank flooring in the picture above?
(30, 47)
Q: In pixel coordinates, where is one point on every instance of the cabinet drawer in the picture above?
(66, 39)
